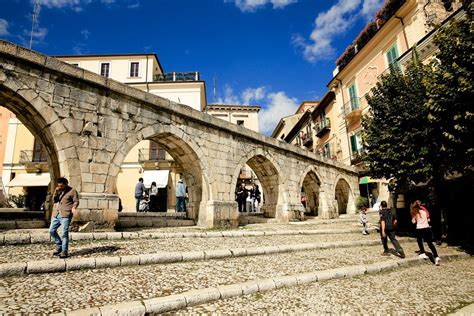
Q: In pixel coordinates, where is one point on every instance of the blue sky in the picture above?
(272, 53)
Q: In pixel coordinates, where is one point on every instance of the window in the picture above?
(38, 153)
(156, 152)
(392, 56)
(353, 97)
(240, 122)
(356, 144)
(104, 69)
(327, 150)
(134, 69)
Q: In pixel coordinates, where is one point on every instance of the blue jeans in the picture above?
(137, 205)
(53, 230)
(180, 206)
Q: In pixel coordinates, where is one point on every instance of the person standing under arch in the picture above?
(180, 196)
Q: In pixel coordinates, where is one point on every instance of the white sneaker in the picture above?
(437, 260)
(423, 256)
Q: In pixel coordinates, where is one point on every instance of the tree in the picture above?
(450, 92)
(396, 130)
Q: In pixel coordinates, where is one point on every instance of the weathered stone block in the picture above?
(265, 285)
(193, 255)
(93, 311)
(80, 263)
(46, 266)
(164, 304)
(107, 262)
(17, 238)
(238, 252)
(306, 278)
(134, 308)
(131, 260)
(196, 297)
(218, 253)
(285, 281)
(14, 268)
(228, 291)
(249, 287)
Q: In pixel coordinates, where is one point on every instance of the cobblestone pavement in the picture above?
(421, 289)
(86, 288)
(96, 248)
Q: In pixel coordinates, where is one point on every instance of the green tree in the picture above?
(396, 130)
(450, 93)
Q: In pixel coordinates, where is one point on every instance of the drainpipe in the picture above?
(404, 33)
(146, 75)
(345, 121)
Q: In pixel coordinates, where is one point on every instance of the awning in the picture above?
(159, 176)
(30, 180)
(365, 180)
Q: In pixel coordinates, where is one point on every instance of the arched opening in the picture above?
(267, 179)
(29, 160)
(310, 193)
(342, 196)
(164, 159)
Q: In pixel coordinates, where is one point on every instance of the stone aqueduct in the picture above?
(87, 124)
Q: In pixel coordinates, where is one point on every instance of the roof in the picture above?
(298, 126)
(300, 108)
(281, 123)
(113, 55)
(328, 97)
(233, 107)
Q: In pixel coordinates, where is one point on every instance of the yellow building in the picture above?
(397, 27)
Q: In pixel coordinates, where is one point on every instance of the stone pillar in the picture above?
(218, 214)
(288, 212)
(98, 209)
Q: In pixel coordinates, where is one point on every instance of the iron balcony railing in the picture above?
(178, 76)
(29, 156)
(145, 154)
(323, 126)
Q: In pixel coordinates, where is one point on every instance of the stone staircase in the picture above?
(190, 270)
(20, 218)
(128, 220)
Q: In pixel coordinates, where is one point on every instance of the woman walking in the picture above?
(419, 217)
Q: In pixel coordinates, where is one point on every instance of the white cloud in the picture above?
(332, 23)
(278, 105)
(256, 94)
(76, 5)
(4, 27)
(85, 34)
(275, 105)
(134, 5)
(253, 5)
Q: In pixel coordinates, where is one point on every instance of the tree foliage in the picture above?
(396, 130)
(420, 125)
(450, 92)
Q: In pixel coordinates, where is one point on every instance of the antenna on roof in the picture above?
(34, 20)
(214, 90)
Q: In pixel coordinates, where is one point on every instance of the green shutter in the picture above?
(353, 97)
(392, 54)
(354, 143)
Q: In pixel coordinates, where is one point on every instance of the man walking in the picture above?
(180, 196)
(67, 201)
(388, 221)
(139, 190)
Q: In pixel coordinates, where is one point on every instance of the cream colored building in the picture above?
(360, 67)
(243, 115)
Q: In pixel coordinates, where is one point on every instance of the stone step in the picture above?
(31, 237)
(19, 214)
(157, 222)
(63, 265)
(170, 303)
(22, 224)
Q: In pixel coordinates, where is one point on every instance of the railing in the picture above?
(178, 76)
(356, 157)
(323, 126)
(353, 108)
(29, 156)
(145, 154)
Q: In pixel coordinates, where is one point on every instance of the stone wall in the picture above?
(88, 124)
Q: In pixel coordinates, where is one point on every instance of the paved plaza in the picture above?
(288, 252)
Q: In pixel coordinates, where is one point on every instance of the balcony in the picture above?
(356, 157)
(352, 109)
(145, 154)
(34, 160)
(178, 77)
(322, 127)
(307, 140)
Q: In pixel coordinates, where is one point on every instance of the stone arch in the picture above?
(39, 124)
(310, 184)
(269, 174)
(186, 153)
(343, 195)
